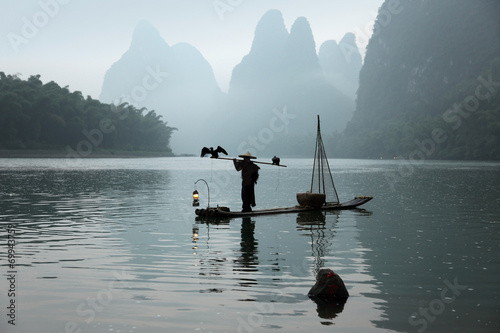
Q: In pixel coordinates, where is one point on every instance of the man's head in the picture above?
(247, 156)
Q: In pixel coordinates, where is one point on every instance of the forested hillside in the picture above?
(431, 75)
(34, 115)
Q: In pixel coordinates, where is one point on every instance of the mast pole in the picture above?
(321, 177)
(314, 163)
(323, 159)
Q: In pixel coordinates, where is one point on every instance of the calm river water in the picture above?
(107, 245)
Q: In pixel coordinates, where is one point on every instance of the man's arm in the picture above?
(237, 165)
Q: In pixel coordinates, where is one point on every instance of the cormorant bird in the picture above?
(276, 160)
(214, 153)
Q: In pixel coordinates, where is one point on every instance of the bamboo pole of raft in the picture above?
(230, 159)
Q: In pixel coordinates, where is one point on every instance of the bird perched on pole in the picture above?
(276, 160)
(211, 151)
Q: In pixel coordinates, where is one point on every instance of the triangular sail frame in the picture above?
(322, 180)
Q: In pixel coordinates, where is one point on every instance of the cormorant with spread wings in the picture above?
(211, 151)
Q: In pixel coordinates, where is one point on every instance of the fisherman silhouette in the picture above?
(249, 176)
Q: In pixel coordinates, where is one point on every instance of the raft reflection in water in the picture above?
(280, 260)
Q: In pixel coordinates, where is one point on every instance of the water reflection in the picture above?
(314, 223)
(321, 238)
(277, 263)
(441, 230)
(52, 208)
(87, 224)
(59, 194)
(248, 260)
(328, 308)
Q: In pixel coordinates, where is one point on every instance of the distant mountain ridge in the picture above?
(282, 72)
(176, 81)
(281, 76)
(342, 63)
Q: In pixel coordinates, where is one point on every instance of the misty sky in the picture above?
(74, 42)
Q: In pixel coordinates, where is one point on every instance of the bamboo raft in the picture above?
(226, 212)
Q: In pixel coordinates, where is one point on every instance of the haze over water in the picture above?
(106, 245)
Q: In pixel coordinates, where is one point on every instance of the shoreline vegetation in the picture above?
(46, 120)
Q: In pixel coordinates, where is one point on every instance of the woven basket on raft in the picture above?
(315, 200)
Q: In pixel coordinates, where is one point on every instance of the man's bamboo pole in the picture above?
(227, 158)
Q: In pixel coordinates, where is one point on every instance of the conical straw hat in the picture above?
(247, 154)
